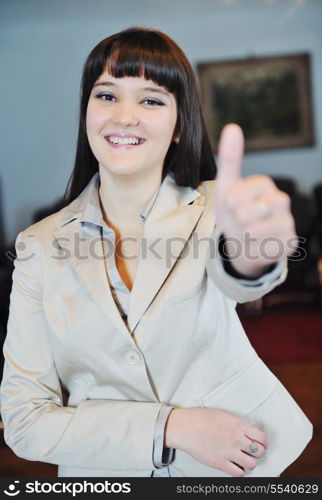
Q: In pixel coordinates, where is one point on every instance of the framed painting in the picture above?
(269, 97)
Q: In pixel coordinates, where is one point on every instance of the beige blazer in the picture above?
(185, 346)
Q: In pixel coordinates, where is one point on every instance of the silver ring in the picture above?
(253, 447)
(263, 208)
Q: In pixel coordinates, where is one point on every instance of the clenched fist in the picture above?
(253, 214)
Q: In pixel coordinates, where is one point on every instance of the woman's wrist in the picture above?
(174, 428)
(241, 267)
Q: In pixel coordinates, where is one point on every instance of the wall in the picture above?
(43, 45)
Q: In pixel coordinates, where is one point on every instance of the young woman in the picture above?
(124, 353)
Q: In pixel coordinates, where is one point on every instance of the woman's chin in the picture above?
(124, 170)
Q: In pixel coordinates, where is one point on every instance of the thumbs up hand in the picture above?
(253, 214)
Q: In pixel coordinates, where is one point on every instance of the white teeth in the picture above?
(124, 140)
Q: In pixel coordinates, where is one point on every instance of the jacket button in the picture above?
(133, 357)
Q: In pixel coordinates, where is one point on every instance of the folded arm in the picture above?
(96, 433)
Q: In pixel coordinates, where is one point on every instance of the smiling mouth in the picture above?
(124, 141)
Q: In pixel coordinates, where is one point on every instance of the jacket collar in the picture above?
(86, 207)
(174, 215)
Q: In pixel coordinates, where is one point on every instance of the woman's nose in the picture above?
(125, 114)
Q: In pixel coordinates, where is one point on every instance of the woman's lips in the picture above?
(123, 141)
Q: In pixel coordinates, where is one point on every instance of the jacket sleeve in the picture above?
(37, 425)
(242, 290)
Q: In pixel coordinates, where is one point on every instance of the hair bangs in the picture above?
(148, 58)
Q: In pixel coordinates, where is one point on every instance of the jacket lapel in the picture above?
(167, 229)
(87, 261)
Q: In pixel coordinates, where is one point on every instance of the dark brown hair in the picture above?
(155, 56)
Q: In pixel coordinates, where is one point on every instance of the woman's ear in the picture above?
(176, 139)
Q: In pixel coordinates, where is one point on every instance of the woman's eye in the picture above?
(153, 102)
(105, 97)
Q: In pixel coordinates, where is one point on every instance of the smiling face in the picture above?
(130, 124)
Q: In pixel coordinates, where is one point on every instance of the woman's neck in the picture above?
(123, 198)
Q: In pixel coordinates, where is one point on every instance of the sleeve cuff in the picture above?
(161, 455)
(273, 273)
(243, 289)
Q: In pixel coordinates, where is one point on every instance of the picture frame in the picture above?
(269, 97)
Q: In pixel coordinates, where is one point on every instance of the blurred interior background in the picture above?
(43, 45)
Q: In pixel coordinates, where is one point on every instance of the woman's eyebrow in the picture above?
(148, 89)
(154, 89)
(108, 84)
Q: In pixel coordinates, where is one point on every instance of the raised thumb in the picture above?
(230, 156)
